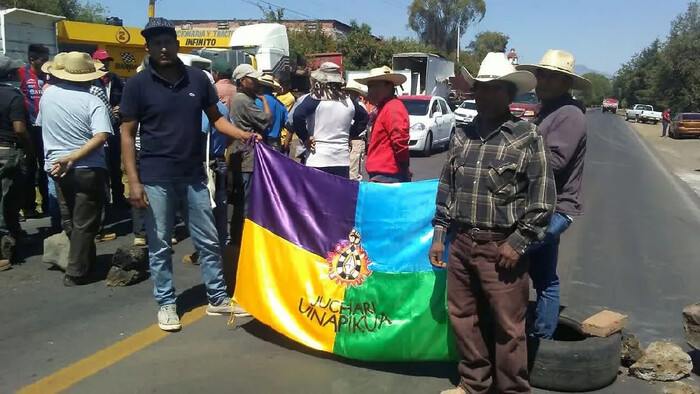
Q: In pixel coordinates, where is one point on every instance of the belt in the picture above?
(480, 235)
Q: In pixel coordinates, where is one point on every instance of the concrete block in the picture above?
(604, 324)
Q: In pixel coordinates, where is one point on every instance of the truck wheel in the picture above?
(573, 361)
(638, 120)
(656, 122)
(428, 147)
(627, 118)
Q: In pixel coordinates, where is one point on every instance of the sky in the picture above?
(602, 34)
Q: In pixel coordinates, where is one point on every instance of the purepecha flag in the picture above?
(341, 266)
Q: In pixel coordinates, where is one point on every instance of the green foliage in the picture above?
(272, 15)
(488, 41)
(438, 22)
(665, 74)
(306, 41)
(601, 87)
(75, 10)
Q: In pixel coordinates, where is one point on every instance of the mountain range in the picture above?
(581, 69)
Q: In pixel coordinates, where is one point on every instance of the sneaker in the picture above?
(73, 281)
(139, 241)
(225, 308)
(168, 319)
(104, 237)
(191, 258)
(5, 265)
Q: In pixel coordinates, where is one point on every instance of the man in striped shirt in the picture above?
(495, 198)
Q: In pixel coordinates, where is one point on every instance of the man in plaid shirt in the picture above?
(496, 196)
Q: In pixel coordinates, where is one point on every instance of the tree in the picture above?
(74, 10)
(488, 41)
(438, 22)
(305, 41)
(600, 89)
(272, 15)
(678, 74)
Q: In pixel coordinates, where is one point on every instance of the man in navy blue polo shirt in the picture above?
(166, 100)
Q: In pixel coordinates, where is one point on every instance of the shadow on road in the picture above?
(695, 356)
(191, 298)
(442, 370)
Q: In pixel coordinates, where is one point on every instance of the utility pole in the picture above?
(459, 33)
(151, 9)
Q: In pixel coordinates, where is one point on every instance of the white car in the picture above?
(432, 122)
(465, 113)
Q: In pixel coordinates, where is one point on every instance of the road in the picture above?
(635, 251)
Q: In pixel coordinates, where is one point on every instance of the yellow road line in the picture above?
(90, 365)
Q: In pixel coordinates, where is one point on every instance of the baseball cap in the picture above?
(101, 54)
(7, 64)
(246, 70)
(220, 66)
(158, 25)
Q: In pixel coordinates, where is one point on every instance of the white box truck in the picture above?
(429, 74)
(20, 27)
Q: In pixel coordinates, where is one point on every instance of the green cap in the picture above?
(220, 66)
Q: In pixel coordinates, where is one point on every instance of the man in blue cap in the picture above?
(167, 99)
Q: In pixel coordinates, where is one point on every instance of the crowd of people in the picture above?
(508, 189)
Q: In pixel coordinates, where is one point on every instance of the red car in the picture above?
(525, 106)
(610, 105)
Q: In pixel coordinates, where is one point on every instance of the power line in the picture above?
(279, 7)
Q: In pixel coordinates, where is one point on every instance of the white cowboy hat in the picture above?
(353, 86)
(383, 74)
(559, 61)
(329, 72)
(269, 81)
(58, 59)
(75, 67)
(496, 67)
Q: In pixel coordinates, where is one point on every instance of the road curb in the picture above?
(691, 194)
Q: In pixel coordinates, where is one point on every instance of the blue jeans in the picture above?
(164, 200)
(54, 209)
(544, 256)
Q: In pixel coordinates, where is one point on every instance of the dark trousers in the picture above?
(274, 143)
(114, 166)
(487, 307)
(240, 199)
(664, 127)
(340, 171)
(81, 198)
(11, 179)
(138, 216)
(37, 175)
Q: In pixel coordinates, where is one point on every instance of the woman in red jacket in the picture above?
(387, 156)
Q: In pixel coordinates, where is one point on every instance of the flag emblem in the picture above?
(348, 264)
(128, 57)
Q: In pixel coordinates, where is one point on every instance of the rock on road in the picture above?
(635, 251)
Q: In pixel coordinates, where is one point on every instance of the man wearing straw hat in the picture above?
(495, 198)
(278, 112)
(563, 125)
(388, 157)
(75, 126)
(166, 100)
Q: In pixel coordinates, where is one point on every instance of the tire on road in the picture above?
(573, 362)
(428, 147)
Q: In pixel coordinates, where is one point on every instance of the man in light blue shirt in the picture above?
(75, 126)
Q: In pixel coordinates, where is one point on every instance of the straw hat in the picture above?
(353, 86)
(74, 67)
(562, 62)
(269, 81)
(496, 67)
(58, 59)
(383, 74)
(329, 72)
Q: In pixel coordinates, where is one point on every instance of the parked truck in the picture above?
(643, 113)
(428, 74)
(20, 27)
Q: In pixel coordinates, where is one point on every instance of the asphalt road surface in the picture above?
(635, 251)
